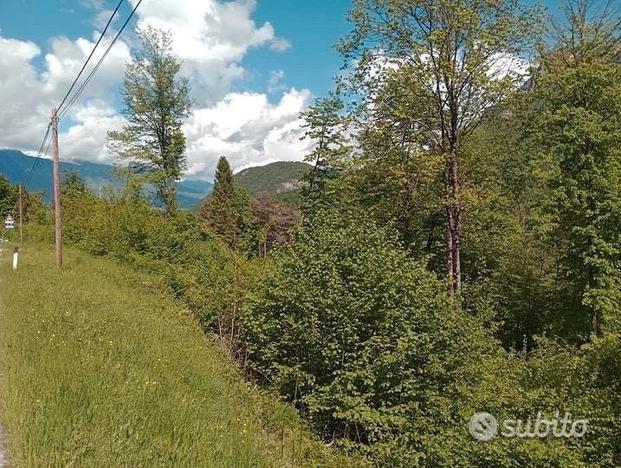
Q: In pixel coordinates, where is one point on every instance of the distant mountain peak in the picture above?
(275, 178)
(15, 165)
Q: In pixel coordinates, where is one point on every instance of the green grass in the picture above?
(99, 368)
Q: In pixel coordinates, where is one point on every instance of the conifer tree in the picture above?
(228, 210)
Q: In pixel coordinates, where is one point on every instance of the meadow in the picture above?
(100, 368)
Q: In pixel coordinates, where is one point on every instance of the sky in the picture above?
(254, 66)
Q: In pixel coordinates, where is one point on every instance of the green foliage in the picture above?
(442, 162)
(100, 368)
(348, 328)
(326, 126)
(35, 209)
(156, 104)
(197, 267)
(363, 340)
(423, 75)
(8, 197)
(574, 124)
(228, 210)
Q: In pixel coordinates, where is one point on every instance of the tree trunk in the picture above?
(453, 226)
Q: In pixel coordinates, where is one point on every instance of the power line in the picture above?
(43, 149)
(91, 54)
(101, 60)
(39, 154)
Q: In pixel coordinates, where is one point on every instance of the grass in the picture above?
(99, 368)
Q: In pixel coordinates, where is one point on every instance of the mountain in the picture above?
(281, 179)
(16, 166)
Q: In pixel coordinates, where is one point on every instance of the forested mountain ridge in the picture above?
(276, 178)
(16, 166)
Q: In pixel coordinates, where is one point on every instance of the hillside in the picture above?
(281, 179)
(99, 367)
(15, 165)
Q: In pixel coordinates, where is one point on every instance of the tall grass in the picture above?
(99, 368)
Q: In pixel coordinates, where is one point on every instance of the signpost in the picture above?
(9, 222)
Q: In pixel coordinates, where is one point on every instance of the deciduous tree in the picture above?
(457, 58)
(157, 103)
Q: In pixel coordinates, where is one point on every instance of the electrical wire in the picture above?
(39, 155)
(91, 55)
(62, 111)
(101, 60)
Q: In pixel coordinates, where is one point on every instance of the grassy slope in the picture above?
(100, 369)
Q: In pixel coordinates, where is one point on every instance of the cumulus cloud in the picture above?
(28, 94)
(86, 139)
(248, 129)
(212, 37)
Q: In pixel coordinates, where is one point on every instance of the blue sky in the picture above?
(254, 66)
(311, 26)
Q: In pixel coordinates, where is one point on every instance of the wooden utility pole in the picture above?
(21, 214)
(57, 208)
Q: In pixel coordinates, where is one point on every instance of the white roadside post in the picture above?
(9, 223)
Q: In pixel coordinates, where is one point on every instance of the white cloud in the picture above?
(87, 138)
(212, 37)
(248, 129)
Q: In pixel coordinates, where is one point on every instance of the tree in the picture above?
(8, 197)
(156, 104)
(35, 209)
(575, 121)
(73, 184)
(394, 178)
(459, 58)
(326, 128)
(228, 210)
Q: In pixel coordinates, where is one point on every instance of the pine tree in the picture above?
(228, 210)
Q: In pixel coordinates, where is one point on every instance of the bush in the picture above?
(192, 262)
(356, 334)
(363, 340)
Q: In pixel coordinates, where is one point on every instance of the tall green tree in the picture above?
(575, 121)
(458, 58)
(157, 103)
(228, 210)
(326, 127)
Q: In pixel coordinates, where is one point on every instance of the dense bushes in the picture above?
(364, 342)
(190, 259)
(348, 328)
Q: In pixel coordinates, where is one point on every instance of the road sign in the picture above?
(9, 222)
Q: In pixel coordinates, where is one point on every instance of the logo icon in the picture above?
(483, 426)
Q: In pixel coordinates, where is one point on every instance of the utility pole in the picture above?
(21, 215)
(57, 208)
